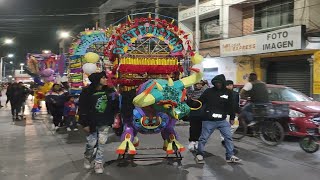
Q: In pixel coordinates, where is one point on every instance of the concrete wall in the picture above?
(248, 20)
(314, 15)
(235, 21)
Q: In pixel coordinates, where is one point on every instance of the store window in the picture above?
(210, 28)
(273, 13)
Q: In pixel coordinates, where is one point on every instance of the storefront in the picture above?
(216, 65)
(278, 57)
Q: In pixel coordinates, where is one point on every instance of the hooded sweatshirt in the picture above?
(97, 107)
(218, 103)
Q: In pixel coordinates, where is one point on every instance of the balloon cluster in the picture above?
(48, 75)
(91, 59)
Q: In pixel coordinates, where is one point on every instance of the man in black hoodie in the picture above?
(218, 102)
(97, 107)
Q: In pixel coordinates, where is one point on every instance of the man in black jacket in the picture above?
(97, 106)
(218, 102)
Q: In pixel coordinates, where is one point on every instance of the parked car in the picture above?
(304, 114)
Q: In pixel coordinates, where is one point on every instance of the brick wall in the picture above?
(248, 20)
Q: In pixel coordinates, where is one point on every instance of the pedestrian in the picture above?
(218, 102)
(7, 93)
(1, 89)
(195, 117)
(233, 123)
(97, 107)
(55, 100)
(25, 92)
(70, 111)
(16, 99)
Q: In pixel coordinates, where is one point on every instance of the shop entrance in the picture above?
(293, 72)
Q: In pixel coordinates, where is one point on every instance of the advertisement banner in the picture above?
(286, 39)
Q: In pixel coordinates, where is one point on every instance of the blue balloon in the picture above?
(38, 81)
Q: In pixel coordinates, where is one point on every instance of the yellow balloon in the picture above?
(46, 87)
(197, 58)
(91, 57)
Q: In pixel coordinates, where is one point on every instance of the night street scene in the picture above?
(159, 89)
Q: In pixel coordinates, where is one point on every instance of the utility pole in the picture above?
(156, 11)
(197, 28)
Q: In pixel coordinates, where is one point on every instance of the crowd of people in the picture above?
(98, 105)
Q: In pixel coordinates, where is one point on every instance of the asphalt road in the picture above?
(31, 150)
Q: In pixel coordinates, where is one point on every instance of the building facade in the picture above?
(277, 39)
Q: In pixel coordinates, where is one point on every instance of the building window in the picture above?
(210, 28)
(273, 13)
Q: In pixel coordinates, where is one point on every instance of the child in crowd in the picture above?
(70, 111)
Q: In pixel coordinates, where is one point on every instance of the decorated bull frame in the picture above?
(148, 54)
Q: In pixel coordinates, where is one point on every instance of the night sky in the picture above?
(37, 32)
(27, 21)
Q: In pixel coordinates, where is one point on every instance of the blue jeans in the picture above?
(208, 128)
(71, 122)
(96, 140)
(246, 113)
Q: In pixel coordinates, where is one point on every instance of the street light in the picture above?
(46, 51)
(8, 41)
(10, 55)
(11, 62)
(64, 34)
(1, 65)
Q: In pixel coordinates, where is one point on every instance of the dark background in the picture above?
(34, 26)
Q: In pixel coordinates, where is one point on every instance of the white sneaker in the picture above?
(56, 128)
(98, 168)
(86, 163)
(199, 159)
(75, 129)
(252, 123)
(196, 145)
(233, 159)
(191, 146)
(69, 129)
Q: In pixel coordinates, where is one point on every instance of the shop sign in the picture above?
(203, 9)
(316, 72)
(274, 41)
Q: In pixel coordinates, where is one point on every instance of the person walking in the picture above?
(7, 94)
(195, 117)
(15, 94)
(97, 107)
(218, 102)
(56, 99)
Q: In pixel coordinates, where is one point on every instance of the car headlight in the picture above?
(295, 114)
